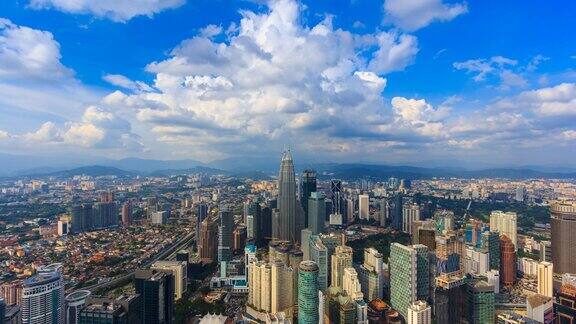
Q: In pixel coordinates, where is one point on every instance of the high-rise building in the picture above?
(104, 215)
(239, 236)
(476, 261)
(505, 224)
(207, 249)
(102, 310)
(371, 274)
(419, 312)
(507, 261)
(545, 276)
(339, 204)
(270, 287)
(74, 303)
(253, 221)
(363, 207)
(2, 310)
(307, 186)
(11, 292)
(225, 235)
(64, 227)
(351, 284)
(319, 254)
(316, 212)
(546, 251)
(341, 259)
(127, 213)
(43, 297)
(444, 221)
(81, 218)
(179, 272)
(286, 200)
(155, 289)
(480, 303)
(409, 275)
(491, 243)
(410, 214)
(308, 312)
(540, 308)
(201, 214)
(159, 217)
(563, 221)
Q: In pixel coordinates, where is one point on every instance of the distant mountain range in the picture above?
(259, 170)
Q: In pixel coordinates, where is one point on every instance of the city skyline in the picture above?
(371, 81)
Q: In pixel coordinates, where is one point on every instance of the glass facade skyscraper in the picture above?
(308, 310)
(409, 275)
(307, 186)
(316, 212)
(286, 222)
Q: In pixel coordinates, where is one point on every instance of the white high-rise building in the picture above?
(179, 270)
(505, 224)
(341, 259)
(270, 287)
(419, 312)
(363, 207)
(410, 214)
(351, 284)
(545, 283)
(493, 278)
(43, 297)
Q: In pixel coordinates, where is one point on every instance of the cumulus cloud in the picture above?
(412, 15)
(116, 10)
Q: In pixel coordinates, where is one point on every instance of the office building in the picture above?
(207, 249)
(545, 276)
(410, 214)
(397, 205)
(126, 214)
(493, 279)
(507, 261)
(104, 214)
(340, 308)
(341, 259)
(505, 224)
(307, 186)
(286, 220)
(179, 271)
(477, 261)
(491, 243)
(43, 297)
(419, 312)
(316, 212)
(563, 222)
(11, 292)
(201, 214)
(409, 275)
(339, 204)
(64, 227)
(156, 290)
(2, 310)
(480, 300)
(74, 303)
(371, 274)
(444, 221)
(225, 235)
(363, 207)
(308, 312)
(125, 309)
(270, 287)
(319, 254)
(239, 236)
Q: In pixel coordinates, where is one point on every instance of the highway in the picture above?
(168, 253)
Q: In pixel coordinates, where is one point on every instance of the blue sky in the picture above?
(396, 81)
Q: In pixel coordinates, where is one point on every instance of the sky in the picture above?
(386, 81)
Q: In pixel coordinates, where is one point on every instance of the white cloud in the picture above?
(116, 10)
(124, 82)
(412, 15)
(484, 67)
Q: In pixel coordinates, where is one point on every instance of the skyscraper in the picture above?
(225, 235)
(308, 288)
(410, 214)
(371, 274)
(341, 260)
(480, 303)
(319, 254)
(409, 275)
(505, 224)
(316, 212)
(307, 186)
(208, 242)
(126, 213)
(507, 261)
(491, 243)
(351, 284)
(363, 207)
(338, 202)
(179, 272)
(74, 303)
(563, 221)
(545, 284)
(81, 218)
(156, 291)
(43, 297)
(286, 200)
(201, 214)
